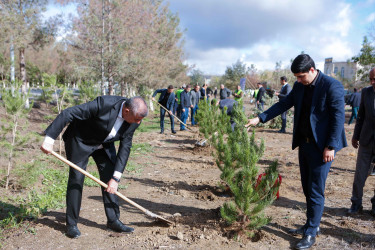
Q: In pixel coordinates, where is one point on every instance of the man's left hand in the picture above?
(112, 186)
(328, 155)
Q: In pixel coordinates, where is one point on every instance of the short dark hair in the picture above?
(170, 87)
(137, 105)
(355, 89)
(188, 86)
(283, 78)
(302, 64)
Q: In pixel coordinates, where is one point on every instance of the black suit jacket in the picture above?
(364, 130)
(260, 96)
(89, 125)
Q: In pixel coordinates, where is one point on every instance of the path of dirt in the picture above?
(179, 181)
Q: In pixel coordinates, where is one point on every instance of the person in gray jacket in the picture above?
(285, 90)
(364, 139)
(195, 95)
(224, 92)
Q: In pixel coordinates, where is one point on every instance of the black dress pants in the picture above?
(75, 186)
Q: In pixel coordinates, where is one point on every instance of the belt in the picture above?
(307, 140)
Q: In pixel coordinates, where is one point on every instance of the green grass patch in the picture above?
(140, 148)
(148, 125)
(133, 168)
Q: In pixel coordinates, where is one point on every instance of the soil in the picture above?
(180, 181)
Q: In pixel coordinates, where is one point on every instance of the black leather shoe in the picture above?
(73, 232)
(174, 132)
(306, 242)
(355, 209)
(162, 132)
(118, 226)
(300, 231)
(281, 131)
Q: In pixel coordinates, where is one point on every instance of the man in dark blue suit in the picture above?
(166, 99)
(93, 128)
(319, 116)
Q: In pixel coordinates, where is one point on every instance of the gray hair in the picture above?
(137, 105)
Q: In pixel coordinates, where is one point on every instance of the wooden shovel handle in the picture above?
(100, 182)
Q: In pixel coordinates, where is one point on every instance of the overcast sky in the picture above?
(262, 32)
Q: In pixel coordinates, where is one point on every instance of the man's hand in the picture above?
(153, 98)
(355, 143)
(170, 112)
(46, 147)
(257, 102)
(252, 122)
(277, 93)
(183, 110)
(112, 186)
(328, 155)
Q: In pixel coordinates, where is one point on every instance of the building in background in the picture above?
(345, 70)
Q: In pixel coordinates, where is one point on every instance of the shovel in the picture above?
(155, 216)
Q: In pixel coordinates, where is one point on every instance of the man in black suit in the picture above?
(364, 138)
(318, 132)
(167, 100)
(260, 96)
(285, 90)
(93, 128)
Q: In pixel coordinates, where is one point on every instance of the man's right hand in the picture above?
(153, 98)
(46, 147)
(183, 110)
(355, 143)
(252, 122)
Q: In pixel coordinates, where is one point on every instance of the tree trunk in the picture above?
(122, 88)
(10, 158)
(102, 50)
(23, 76)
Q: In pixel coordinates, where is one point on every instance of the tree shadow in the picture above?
(192, 161)
(58, 222)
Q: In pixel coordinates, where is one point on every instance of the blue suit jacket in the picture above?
(327, 116)
(171, 98)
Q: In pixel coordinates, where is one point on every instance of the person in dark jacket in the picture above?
(354, 101)
(364, 140)
(318, 132)
(260, 96)
(229, 104)
(185, 106)
(285, 90)
(92, 131)
(167, 100)
(224, 92)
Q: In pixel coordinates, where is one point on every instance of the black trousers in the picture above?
(75, 186)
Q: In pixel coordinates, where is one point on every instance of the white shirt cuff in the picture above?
(117, 174)
(49, 140)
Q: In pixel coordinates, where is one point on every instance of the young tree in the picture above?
(14, 103)
(365, 58)
(234, 73)
(196, 77)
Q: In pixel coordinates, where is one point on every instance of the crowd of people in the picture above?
(318, 132)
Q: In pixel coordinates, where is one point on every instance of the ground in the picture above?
(179, 181)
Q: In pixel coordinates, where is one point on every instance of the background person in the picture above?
(167, 100)
(354, 102)
(185, 106)
(285, 90)
(260, 96)
(224, 92)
